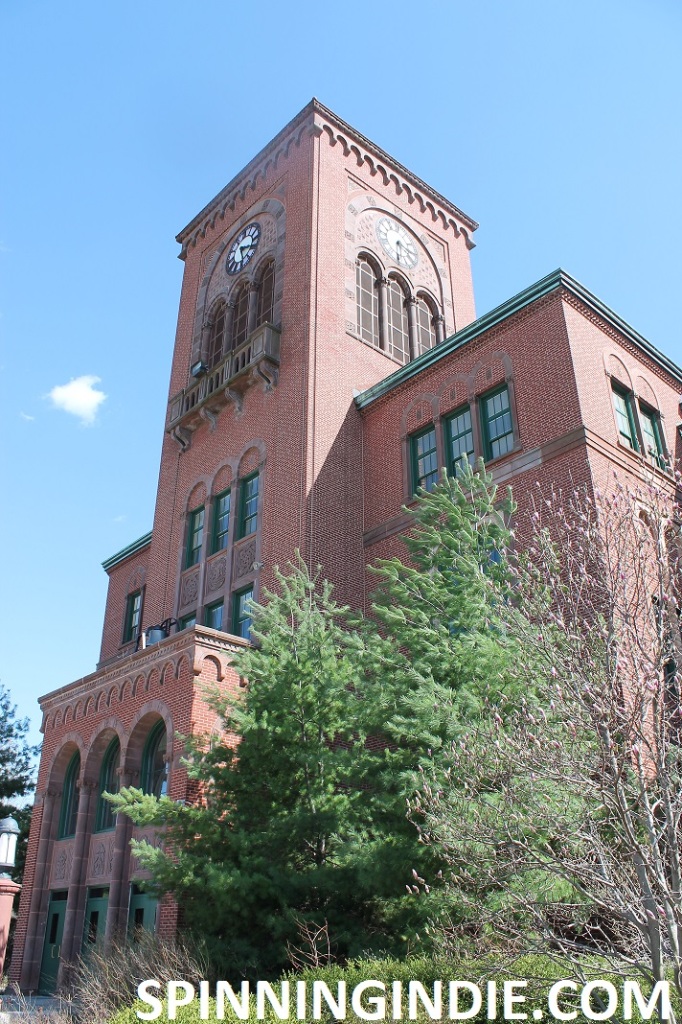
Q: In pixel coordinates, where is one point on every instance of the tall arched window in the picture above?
(240, 322)
(266, 295)
(69, 809)
(367, 298)
(108, 783)
(216, 340)
(398, 330)
(154, 767)
(426, 327)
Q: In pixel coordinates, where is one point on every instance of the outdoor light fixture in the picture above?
(9, 831)
(198, 369)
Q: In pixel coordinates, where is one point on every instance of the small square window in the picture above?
(424, 460)
(459, 436)
(496, 423)
(213, 615)
(248, 519)
(188, 620)
(221, 521)
(625, 418)
(241, 613)
(133, 616)
(195, 537)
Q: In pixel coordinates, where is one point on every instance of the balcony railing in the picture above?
(254, 362)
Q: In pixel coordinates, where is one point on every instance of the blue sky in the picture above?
(556, 126)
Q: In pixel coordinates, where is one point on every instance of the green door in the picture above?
(142, 912)
(95, 917)
(49, 966)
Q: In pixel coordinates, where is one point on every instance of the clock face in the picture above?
(397, 243)
(242, 250)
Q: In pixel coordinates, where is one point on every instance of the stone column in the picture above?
(118, 893)
(439, 321)
(8, 890)
(41, 882)
(382, 284)
(253, 309)
(71, 938)
(412, 327)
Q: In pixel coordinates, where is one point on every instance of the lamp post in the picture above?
(9, 831)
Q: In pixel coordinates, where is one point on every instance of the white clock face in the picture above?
(243, 249)
(397, 243)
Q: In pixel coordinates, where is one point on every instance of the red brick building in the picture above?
(328, 360)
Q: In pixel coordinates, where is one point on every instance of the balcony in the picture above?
(254, 362)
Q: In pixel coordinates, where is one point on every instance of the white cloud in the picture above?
(25, 416)
(80, 397)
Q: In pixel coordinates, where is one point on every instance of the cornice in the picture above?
(557, 281)
(132, 549)
(317, 119)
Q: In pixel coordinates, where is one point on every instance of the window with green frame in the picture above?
(221, 521)
(652, 436)
(424, 458)
(108, 783)
(195, 536)
(188, 620)
(496, 423)
(459, 438)
(68, 813)
(248, 518)
(154, 764)
(213, 615)
(241, 613)
(131, 626)
(625, 418)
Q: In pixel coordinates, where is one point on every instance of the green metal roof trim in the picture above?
(557, 279)
(132, 549)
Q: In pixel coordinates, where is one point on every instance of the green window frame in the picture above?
(213, 615)
(459, 438)
(496, 423)
(108, 783)
(154, 765)
(241, 615)
(424, 459)
(68, 813)
(188, 620)
(221, 520)
(652, 436)
(195, 537)
(625, 418)
(133, 616)
(248, 512)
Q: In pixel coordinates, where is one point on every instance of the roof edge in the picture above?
(552, 282)
(132, 549)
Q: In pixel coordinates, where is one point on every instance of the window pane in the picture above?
(240, 323)
(217, 336)
(651, 431)
(241, 616)
(195, 528)
(426, 330)
(425, 460)
(266, 295)
(249, 517)
(461, 437)
(214, 615)
(398, 333)
(624, 420)
(367, 300)
(497, 423)
(221, 520)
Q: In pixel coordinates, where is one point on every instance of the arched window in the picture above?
(426, 326)
(154, 767)
(216, 340)
(108, 783)
(69, 809)
(266, 295)
(240, 322)
(367, 298)
(398, 330)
